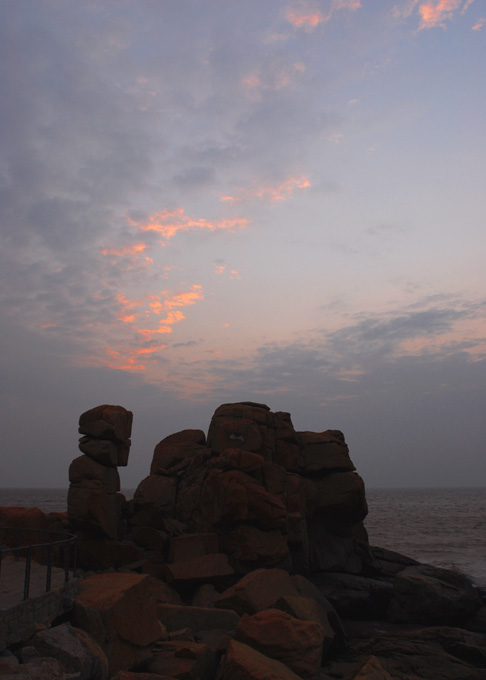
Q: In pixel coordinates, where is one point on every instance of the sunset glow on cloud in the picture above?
(168, 223)
(281, 192)
(303, 20)
(307, 17)
(134, 249)
(434, 14)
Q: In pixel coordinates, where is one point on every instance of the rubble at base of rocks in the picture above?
(241, 556)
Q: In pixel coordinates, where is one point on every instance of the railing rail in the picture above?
(54, 549)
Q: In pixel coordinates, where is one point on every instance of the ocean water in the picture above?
(443, 527)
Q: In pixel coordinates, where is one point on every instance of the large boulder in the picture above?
(427, 594)
(107, 422)
(204, 569)
(298, 644)
(120, 612)
(324, 452)
(176, 448)
(437, 653)
(94, 510)
(242, 662)
(260, 589)
(370, 668)
(177, 617)
(184, 660)
(355, 597)
(77, 651)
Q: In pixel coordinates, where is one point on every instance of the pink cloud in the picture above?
(434, 14)
(168, 223)
(134, 249)
(283, 190)
(307, 21)
(308, 17)
(280, 192)
(480, 23)
(132, 343)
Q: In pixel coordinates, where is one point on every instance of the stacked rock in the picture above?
(94, 504)
(273, 496)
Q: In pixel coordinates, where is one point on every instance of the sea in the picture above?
(445, 527)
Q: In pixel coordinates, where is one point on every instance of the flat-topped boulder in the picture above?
(120, 612)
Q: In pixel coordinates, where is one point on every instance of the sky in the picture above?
(212, 201)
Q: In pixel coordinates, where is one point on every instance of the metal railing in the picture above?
(46, 547)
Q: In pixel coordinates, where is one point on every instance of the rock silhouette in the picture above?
(271, 495)
(242, 556)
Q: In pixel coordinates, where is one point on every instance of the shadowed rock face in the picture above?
(273, 496)
(94, 504)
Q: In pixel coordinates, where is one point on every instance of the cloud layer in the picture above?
(218, 202)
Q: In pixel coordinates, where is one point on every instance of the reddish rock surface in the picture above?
(298, 644)
(184, 660)
(120, 612)
(204, 569)
(242, 662)
(258, 590)
(272, 495)
(113, 423)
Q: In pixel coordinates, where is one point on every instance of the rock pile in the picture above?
(264, 493)
(94, 504)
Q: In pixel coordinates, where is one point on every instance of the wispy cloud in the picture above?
(132, 344)
(307, 16)
(279, 192)
(306, 20)
(273, 77)
(480, 24)
(432, 14)
(168, 223)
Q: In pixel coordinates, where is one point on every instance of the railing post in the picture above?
(67, 546)
(28, 561)
(49, 568)
(17, 543)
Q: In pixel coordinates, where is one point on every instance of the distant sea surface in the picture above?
(443, 527)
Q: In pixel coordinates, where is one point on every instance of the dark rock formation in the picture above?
(272, 496)
(94, 504)
(263, 568)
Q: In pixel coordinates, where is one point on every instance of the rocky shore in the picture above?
(242, 556)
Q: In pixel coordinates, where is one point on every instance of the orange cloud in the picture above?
(306, 21)
(284, 190)
(436, 13)
(281, 192)
(128, 359)
(133, 345)
(252, 81)
(480, 23)
(135, 249)
(48, 325)
(168, 223)
(273, 78)
(165, 325)
(186, 299)
(230, 199)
